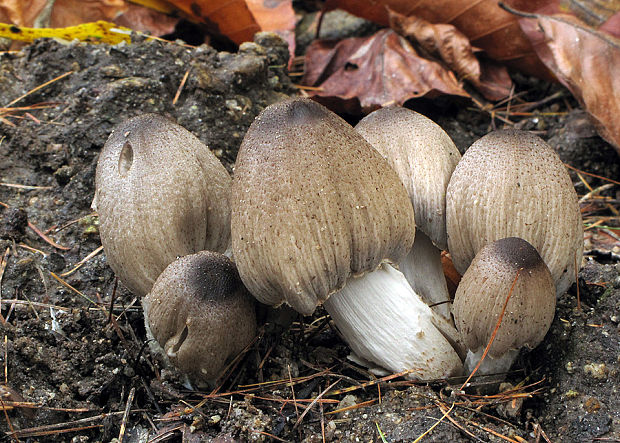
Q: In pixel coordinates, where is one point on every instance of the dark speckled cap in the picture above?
(312, 204)
(201, 314)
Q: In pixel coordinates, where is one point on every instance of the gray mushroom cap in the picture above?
(201, 314)
(160, 194)
(511, 183)
(312, 205)
(486, 285)
(423, 156)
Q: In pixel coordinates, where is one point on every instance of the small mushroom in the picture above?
(201, 314)
(511, 183)
(316, 215)
(160, 194)
(423, 156)
(482, 294)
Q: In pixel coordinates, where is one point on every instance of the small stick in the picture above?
(32, 91)
(180, 88)
(121, 434)
(46, 238)
(311, 405)
(81, 263)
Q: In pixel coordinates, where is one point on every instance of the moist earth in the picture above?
(73, 340)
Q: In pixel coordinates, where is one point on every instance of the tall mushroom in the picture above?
(508, 272)
(511, 183)
(160, 194)
(423, 156)
(316, 216)
(201, 314)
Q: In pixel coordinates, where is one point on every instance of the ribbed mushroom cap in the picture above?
(483, 290)
(423, 156)
(160, 194)
(312, 204)
(511, 183)
(201, 314)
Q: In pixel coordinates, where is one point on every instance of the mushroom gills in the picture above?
(386, 323)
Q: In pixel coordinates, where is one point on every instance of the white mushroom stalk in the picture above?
(385, 322)
(423, 270)
(490, 365)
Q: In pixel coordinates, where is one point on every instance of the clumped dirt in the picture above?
(74, 344)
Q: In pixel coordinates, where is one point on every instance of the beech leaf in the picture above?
(586, 61)
(483, 22)
(365, 73)
(455, 50)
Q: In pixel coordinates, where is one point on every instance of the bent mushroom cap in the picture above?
(312, 204)
(160, 194)
(201, 314)
(423, 156)
(511, 183)
(486, 285)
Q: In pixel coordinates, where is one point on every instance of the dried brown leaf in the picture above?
(230, 18)
(144, 19)
(277, 16)
(485, 24)
(363, 74)
(454, 49)
(586, 61)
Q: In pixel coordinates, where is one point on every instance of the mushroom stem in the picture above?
(423, 270)
(490, 365)
(385, 322)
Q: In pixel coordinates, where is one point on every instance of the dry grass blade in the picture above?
(58, 428)
(46, 238)
(33, 90)
(434, 425)
(121, 434)
(84, 296)
(314, 401)
(499, 322)
(81, 262)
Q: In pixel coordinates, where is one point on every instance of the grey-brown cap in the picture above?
(423, 156)
(312, 204)
(201, 314)
(511, 183)
(160, 194)
(486, 285)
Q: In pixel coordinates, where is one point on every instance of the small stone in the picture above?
(592, 405)
(596, 370)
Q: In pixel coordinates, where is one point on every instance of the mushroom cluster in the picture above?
(321, 213)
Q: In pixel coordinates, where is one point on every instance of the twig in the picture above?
(46, 238)
(38, 87)
(180, 88)
(311, 405)
(81, 262)
(434, 425)
(121, 434)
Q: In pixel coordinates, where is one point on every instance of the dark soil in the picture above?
(74, 369)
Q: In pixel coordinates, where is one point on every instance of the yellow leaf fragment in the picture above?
(96, 32)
